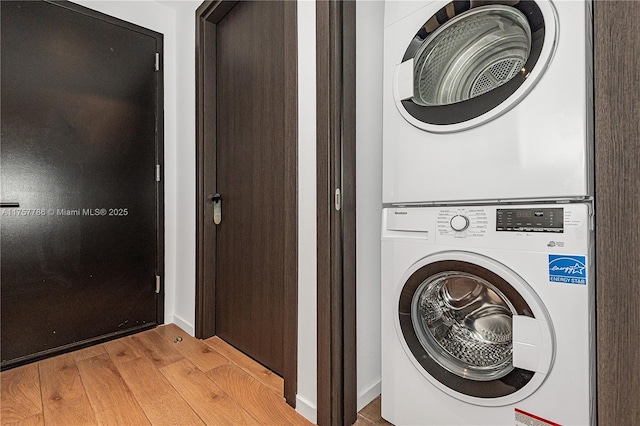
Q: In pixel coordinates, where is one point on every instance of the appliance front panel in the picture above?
(565, 394)
(539, 149)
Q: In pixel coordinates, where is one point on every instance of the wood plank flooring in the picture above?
(158, 377)
(370, 415)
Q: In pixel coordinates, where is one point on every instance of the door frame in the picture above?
(208, 15)
(336, 226)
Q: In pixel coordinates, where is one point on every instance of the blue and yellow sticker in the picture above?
(567, 269)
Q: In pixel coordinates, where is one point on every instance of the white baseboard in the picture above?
(369, 394)
(307, 409)
(310, 411)
(184, 325)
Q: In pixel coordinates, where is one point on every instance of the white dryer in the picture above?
(487, 100)
(488, 315)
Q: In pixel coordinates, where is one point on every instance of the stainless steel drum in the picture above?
(464, 323)
(471, 54)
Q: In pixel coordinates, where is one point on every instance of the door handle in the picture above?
(217, 207)
(403, 81)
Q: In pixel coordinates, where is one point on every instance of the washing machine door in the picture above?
(472, 61)
(474, 328)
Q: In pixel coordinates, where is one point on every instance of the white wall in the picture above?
(369, 42)
(307, 398)
(185, 215)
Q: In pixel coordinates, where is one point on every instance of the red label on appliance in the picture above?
(527, 419)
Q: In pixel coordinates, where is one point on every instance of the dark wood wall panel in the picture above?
(617, 115)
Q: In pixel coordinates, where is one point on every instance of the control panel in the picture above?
(462, 222)
(530, 220)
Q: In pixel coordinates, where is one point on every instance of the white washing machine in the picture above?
(488, 315)
(487, 100)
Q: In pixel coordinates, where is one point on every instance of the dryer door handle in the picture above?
(532, 344)
(403, 81)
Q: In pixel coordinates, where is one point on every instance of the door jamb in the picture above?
(207, 15)
(336, 168)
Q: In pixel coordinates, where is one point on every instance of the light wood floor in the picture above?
(159, 377)
(370, 415)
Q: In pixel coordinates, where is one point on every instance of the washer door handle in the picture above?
(532, 344)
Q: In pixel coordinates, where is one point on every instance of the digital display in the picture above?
(530, 220)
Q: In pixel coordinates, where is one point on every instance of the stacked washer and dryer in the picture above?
(487, 233)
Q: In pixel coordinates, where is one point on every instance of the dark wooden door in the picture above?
(79, 248)
(250, 178)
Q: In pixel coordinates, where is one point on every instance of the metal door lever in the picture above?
(217, 207)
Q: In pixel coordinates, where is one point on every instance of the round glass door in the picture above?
(455, 317)
(464, 321)
(471, 54)
(475, 59)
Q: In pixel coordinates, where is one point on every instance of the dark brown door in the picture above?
(79, 248)
(250, 179)
(246, 282)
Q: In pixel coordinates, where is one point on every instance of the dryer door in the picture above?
(474, 328)
(472, 61)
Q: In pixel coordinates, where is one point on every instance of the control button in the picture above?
(459, 223)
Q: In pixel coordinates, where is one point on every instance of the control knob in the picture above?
(459, 223)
